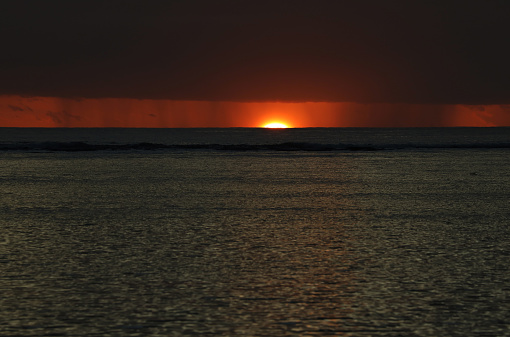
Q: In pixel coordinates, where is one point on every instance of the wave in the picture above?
(286, 146)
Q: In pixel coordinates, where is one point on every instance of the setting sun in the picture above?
(276, 125)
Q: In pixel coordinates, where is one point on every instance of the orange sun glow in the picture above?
(276, 125)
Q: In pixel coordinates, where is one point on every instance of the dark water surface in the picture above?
(385, 243)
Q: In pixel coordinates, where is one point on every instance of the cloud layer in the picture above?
(368, 51)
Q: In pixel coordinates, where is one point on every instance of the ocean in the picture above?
(255, 232)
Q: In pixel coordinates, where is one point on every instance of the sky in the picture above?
(199, 63)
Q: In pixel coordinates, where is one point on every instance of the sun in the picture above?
(276, 125)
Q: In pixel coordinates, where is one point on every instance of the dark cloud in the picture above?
(364, 51)
(62, 118)
(15, 108)
(19, 108)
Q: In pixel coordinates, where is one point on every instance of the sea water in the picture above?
(254, 232)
